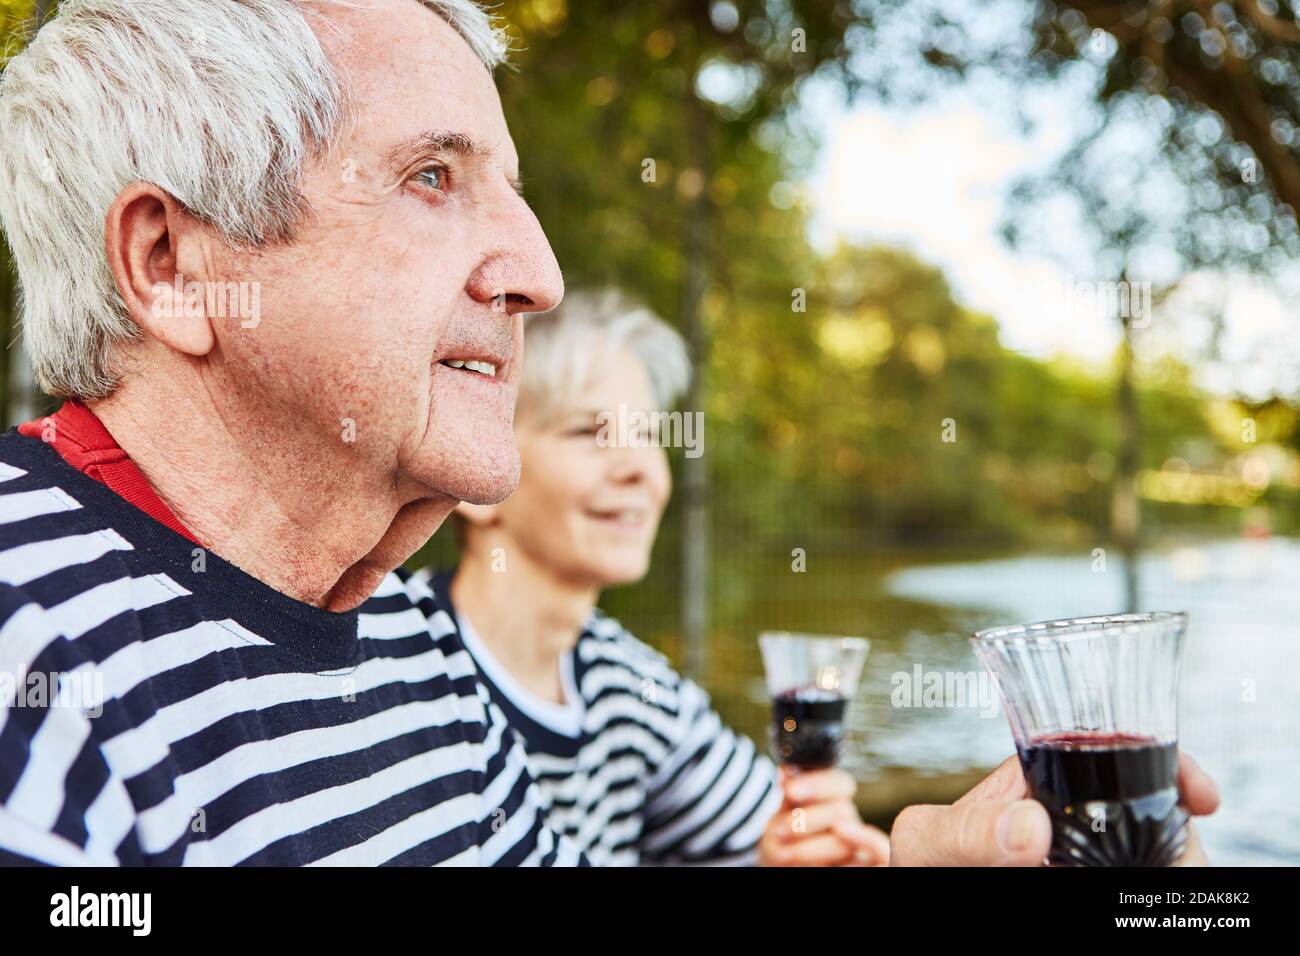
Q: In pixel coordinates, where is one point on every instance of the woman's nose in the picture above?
(629, 463)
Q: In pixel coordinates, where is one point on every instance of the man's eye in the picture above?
(433, 176)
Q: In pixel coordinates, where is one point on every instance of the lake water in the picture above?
(1240, 695)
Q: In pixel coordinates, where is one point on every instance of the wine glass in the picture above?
(1093, 707)
(811, 679)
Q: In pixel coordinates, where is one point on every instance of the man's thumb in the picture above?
(973, 833)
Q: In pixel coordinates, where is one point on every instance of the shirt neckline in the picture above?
(564, 719)
(83, 441)
(326, 639)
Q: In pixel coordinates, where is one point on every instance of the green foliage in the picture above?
(824, 426)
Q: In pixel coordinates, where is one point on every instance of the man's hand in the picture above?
(818, 825)
(996, 824)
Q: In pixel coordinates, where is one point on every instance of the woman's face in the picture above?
(589, 503)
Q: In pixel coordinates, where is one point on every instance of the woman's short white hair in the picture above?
(218, 103)
(564, 348)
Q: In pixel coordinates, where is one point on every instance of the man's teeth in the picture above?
(484, 368)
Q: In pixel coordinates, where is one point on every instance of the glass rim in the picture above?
(1067, 629)
(841, 639)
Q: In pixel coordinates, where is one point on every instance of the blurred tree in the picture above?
(666, 131)
(1198, 94)
(20, 399)
(661, 145)
(1190, 159)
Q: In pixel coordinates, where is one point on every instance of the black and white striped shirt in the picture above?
(636, 767)
(206, 718)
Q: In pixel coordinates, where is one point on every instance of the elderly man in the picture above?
(274, 254)
(240, 484)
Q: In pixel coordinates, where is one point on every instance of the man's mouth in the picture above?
(477, 366)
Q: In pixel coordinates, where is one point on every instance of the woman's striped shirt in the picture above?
(636, 767)
(194, 715)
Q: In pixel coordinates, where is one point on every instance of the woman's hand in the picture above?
(997, 824)
(818, 825)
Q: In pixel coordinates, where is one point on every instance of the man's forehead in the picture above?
(380, 32)
(414, 82)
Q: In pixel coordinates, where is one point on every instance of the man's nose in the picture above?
(520, 273)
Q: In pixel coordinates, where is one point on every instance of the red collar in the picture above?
(81, 438)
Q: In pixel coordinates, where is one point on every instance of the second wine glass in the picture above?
(811, 679)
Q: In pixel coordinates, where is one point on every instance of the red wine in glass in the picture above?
(808, 727)
(1113, 798)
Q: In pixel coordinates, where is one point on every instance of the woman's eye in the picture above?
(433, 176)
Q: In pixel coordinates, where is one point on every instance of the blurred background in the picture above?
(893, 232)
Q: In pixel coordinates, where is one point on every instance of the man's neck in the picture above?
(526, 615)
(315, 527)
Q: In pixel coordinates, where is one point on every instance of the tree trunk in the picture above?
(19, 397)
(695, 477)
(1231, 91)
(1125, 507)
(8, 328)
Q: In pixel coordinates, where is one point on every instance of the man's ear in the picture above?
(143, 235)
(480, 516)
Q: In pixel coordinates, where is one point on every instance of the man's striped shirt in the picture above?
(194, 715)
(636, 767)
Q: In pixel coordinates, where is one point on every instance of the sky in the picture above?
(934, 179)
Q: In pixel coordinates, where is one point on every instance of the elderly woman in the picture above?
(634, 764)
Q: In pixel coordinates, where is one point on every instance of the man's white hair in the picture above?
(566, 347)
(219, 102)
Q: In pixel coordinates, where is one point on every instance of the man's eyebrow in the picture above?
(446, 141)
(439, 141)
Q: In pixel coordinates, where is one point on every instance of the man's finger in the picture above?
(1007, 782)
(1200, 795)
(972, 833)
(1194, 852)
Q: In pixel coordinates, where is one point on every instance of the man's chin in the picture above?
(485, 481)
(477, 462)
